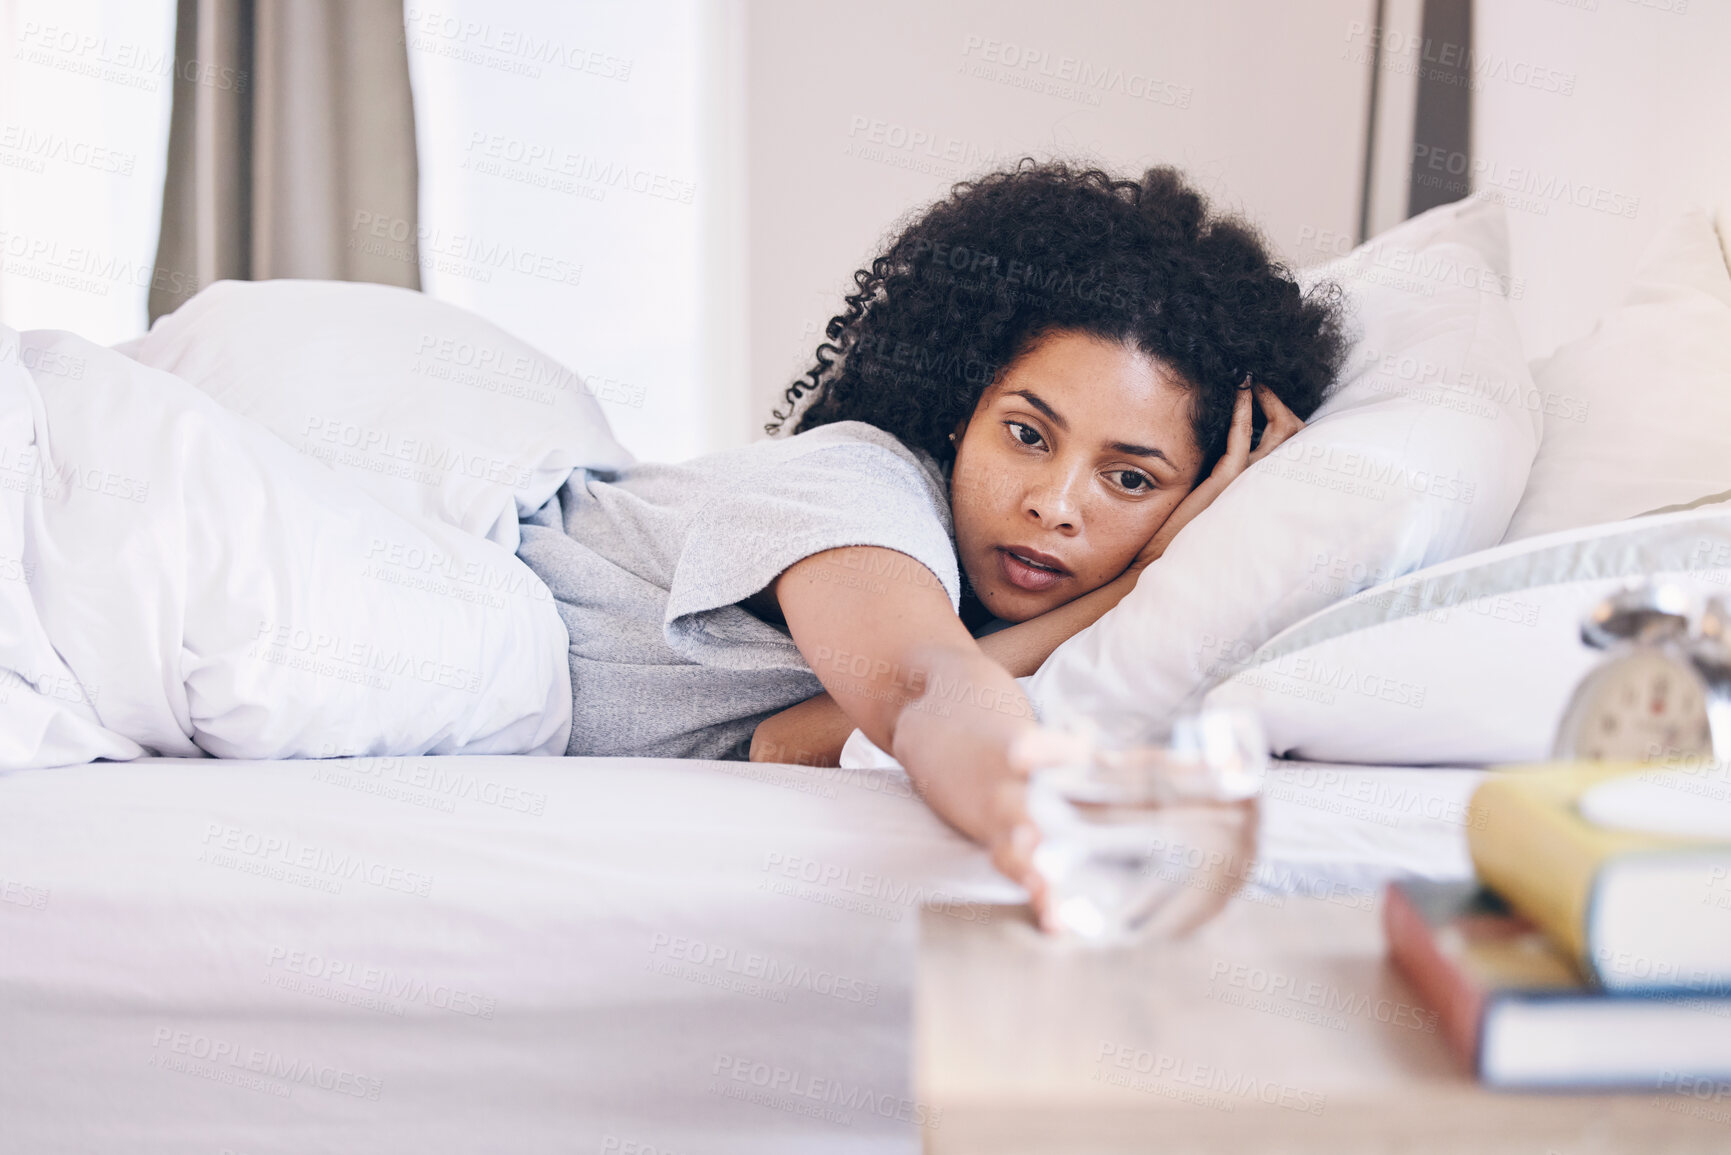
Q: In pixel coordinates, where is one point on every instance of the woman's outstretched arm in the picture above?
(900, 665)
(813, 732)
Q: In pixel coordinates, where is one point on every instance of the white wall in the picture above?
(84, 103)
(862, 113)
(692, 301)
(1591, 173)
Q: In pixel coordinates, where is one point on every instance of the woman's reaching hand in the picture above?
(1015, 836)
(1282, 423)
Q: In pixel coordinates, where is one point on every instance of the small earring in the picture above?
(952, 437)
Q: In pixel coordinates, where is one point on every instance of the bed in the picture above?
(518, 953)
(385, 919)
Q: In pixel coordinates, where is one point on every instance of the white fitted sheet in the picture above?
(495, 947)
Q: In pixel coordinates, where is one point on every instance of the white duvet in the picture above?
(175, 579)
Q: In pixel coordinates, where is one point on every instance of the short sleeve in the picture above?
(846, 492)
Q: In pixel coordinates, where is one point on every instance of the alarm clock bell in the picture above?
(1663, 690)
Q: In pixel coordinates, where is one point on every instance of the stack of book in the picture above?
(1594, 948)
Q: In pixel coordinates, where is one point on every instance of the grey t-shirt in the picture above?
(649, 562)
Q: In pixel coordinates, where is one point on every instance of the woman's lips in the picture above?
(1024, 576)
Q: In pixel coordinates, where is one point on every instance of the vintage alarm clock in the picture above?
(1664, 688)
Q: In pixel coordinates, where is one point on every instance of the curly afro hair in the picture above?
(1005, 259)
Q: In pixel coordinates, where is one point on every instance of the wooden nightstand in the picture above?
(1277, 1027)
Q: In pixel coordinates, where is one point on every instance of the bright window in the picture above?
(85, 92)
(563, 195)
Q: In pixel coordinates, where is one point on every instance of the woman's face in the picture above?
(1073, 458)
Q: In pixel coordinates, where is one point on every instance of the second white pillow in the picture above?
(1641, 406)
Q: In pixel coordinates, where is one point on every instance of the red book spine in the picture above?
(1435, 974)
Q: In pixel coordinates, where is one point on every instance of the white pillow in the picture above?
(1468, 662)
(435, 411)
(1418, 454)
(1640, 408)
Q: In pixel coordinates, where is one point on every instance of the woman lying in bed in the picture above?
(1031, 391)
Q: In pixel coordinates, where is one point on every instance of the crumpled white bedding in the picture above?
(176, 580)
(532, 955)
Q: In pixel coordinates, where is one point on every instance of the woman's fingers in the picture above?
(1013, 850)
(1230, 465)
(1238, 439)
(1233, 461)
(1282, 423)
(1236, 457)
(1013, 856)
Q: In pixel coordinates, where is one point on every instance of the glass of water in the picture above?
(1149, 841)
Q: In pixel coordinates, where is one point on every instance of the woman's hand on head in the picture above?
(1282, 423)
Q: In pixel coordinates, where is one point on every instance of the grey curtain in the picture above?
(291, 149)
(1442, 122)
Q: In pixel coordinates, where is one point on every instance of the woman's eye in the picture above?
(1016, 428)
(1134, 482)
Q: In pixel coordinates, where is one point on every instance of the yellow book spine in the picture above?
(1530, 845)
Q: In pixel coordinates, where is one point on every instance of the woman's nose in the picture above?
(1053, 504)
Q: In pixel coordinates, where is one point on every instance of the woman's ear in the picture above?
(960, 432)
